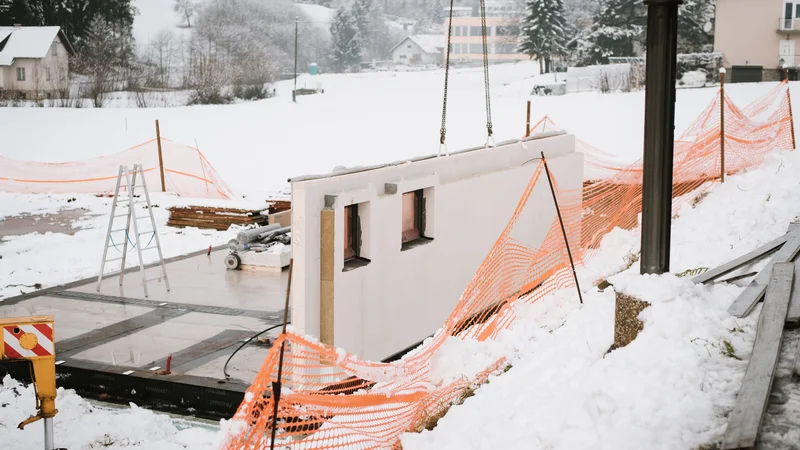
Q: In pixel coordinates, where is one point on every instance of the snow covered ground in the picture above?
(669, 389)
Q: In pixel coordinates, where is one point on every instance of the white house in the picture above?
(421, 49)
(34, 61)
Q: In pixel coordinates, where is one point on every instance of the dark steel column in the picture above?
(659, 133)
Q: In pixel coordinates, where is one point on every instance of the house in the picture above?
(758, 37)
(34, 61)
(423, 49)
(502, 32)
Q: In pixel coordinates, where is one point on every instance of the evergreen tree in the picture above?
(346, 41)
(618, 26)
(695, 29)
(543, 30)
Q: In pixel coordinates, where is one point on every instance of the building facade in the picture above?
(34, 62)
(502, 32)
(419, 50)
(758, 37)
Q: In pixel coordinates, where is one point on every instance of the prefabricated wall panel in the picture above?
(403, 296)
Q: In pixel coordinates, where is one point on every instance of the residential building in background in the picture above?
(758, 37)
(417, 50)
(34, 61)
(502, 31)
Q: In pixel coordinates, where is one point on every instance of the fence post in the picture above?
(528, 121)
(160, 158)
(789, 100)
(276, 385)
(722, 123)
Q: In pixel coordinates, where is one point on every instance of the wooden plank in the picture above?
(754, 292)
(794, 304)
(764, 250)
(745, 419)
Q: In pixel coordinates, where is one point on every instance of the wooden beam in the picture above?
(160, 158)
(754, 292)
(326, 275)
(745, 419)
(794, 304)
(743, 260)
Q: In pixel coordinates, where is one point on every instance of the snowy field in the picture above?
(670, 389)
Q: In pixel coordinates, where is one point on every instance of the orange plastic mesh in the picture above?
(332, 400)
(186, 172)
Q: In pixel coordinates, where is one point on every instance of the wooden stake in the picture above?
(791, 116)
(528, 121)
(722, 125)
(160, 158)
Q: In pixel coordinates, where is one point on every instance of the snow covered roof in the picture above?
(429, 43)
(28, 42)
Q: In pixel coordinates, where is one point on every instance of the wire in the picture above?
(486, 70)
(443, 130)
(225, 367)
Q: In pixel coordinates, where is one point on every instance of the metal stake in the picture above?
(563, 230)
(276, 386)
(722, 125)
(48, 433)
(659, 134)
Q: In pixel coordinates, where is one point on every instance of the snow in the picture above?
(671, 388)
(318, 14)
(26, 42)
(674, 385)
(155, 16)
(429, 43)
(80, 424)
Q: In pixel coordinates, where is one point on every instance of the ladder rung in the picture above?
(114, 259)
(122, 215)
(146, 232)
(153, 279)
(149, 248)
(118, 230)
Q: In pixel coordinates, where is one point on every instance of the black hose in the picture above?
(225, 367)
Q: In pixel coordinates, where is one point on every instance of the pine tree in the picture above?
(618, 26)
(345, 39)
(695, 29)
(543, 30)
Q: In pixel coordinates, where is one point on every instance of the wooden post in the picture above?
(160, 158)
(528, 121)
(326, 275)
(791, 115)
(722, 123)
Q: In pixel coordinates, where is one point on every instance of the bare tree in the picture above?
(187, 9)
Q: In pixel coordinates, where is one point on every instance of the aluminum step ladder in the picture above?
(135, 239)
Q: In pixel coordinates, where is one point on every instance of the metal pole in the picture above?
(563, 230)
(294, 91)
(722, 124)
(160, 159)
(659, 134)
(276, 385)
(48, 433)
(528, 121)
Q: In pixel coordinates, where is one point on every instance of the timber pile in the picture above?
(209, 218)
(276, 206)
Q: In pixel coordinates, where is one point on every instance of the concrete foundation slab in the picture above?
(202, 280)
(110, 343)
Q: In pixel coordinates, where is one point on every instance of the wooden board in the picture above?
(213, 218)
(794, 304)
(745, 419)
(743, 260)
(754, 292)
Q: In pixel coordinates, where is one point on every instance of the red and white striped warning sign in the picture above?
(28, 341)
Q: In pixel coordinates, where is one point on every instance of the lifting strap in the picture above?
(443, 129)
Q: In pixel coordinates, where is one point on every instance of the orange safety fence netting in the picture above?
(332, 400)
(186, 172)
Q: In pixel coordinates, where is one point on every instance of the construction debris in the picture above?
(210, 218)
(264, 247)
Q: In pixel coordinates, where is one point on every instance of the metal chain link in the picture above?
(486, 70)
(443, 130)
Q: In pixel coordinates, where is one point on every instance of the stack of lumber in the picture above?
(211, 218)
(276, 206)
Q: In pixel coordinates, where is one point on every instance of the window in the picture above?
(354, 250)
(475, 31)
(414, 220)
(475, 49)
(20, 74)
(456, 31)
(55, 49)
(47, 74)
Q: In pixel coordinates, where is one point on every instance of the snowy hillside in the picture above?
(154, 16)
